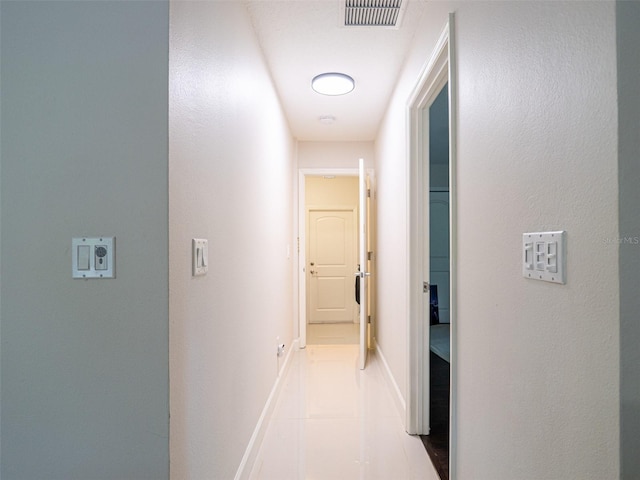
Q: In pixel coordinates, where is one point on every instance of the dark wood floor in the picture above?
(437, 442)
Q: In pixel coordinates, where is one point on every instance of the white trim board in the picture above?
(394, 389)
(251, 453)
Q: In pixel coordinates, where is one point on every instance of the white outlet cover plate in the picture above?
(544, 256)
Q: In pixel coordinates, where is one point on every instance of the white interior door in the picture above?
(331, 266)
(363, 273)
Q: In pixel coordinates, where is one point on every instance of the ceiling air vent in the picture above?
(373, 13)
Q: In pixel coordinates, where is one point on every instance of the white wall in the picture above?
(230, 176)
(392, 202)
(84, 152)
(538, 372)
(628, 19)
(334, 154)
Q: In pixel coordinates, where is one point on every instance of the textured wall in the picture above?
(391, 156)
(84, 152)
(230, 177)
(538, 363)
(334, 154)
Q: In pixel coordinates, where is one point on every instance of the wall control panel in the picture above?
(544, 256)
(93, 257)
(200, 256)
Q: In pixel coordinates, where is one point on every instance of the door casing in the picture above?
(438, 71)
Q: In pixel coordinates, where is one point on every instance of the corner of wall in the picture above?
(628, 69)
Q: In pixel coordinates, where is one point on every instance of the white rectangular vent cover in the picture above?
(373, 13)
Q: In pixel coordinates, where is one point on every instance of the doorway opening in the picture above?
(334, 280)
(331, 205)
(438, 274)
(317, 199)
(431, 394)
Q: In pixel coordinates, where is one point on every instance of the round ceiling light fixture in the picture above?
(332, 83)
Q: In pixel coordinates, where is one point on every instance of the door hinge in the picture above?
(368, 318)
(425, 287)
(368, 193)
(369, 255)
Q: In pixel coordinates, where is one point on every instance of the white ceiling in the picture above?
(302, 38)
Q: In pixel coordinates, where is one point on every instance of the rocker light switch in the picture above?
(541, 247)
(552, 257)
(83, 257)
(528, 256)
(544, 255)
(93, 257)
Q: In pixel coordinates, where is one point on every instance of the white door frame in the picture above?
(302, 240)
(439, 70)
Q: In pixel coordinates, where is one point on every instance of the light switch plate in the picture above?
(200, 256)
(93, 257)
(544, 256)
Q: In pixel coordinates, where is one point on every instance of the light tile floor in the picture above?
(336, 422)
(333, 333)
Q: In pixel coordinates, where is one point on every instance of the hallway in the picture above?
(336, 422)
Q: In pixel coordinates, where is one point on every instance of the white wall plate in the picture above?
(200, 256)
(544, 256)
(93, 257)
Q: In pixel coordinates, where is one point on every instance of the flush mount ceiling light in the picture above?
(332, 83)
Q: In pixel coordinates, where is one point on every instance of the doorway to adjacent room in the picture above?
(336, 259)
(431, 393)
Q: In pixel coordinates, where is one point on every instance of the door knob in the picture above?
(312, 264)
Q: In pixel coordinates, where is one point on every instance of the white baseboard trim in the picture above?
(250, 454)
(398, 398)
